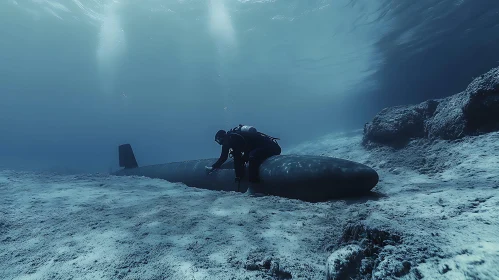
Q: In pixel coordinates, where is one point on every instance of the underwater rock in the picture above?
(396, 126)
(343, 262)
(471, 112)
(474, 111)
(449, 121)
(363, 254)
(391, 268)
(268, 264)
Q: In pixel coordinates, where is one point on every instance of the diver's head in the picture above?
(219, 137)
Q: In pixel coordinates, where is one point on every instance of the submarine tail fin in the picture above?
(127, 158)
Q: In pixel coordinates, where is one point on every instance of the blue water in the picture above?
(78, 78)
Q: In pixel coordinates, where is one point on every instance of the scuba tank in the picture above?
(252, 130)
(247, 128)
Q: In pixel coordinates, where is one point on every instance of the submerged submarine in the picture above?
(303, 177)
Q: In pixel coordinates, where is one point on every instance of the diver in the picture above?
(245, 144)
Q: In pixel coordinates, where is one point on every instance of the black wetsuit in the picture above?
(247, 147)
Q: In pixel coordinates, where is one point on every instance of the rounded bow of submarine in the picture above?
(316, 178)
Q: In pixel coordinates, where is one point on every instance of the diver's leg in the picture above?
(254, 161)
(256, 157)
(238, 166)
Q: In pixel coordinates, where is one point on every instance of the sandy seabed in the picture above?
(433, 215)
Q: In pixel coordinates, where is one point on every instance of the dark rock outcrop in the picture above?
(268, 264)
(448, 121)
(366, 253)
(471, 112)
(343, 263)
(396, 126)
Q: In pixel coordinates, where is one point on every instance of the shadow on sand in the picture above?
(370, 196)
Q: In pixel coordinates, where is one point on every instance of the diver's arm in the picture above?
(223, 157)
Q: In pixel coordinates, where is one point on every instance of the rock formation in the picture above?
(471, 112)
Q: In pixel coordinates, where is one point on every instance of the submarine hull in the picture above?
(308, 178)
